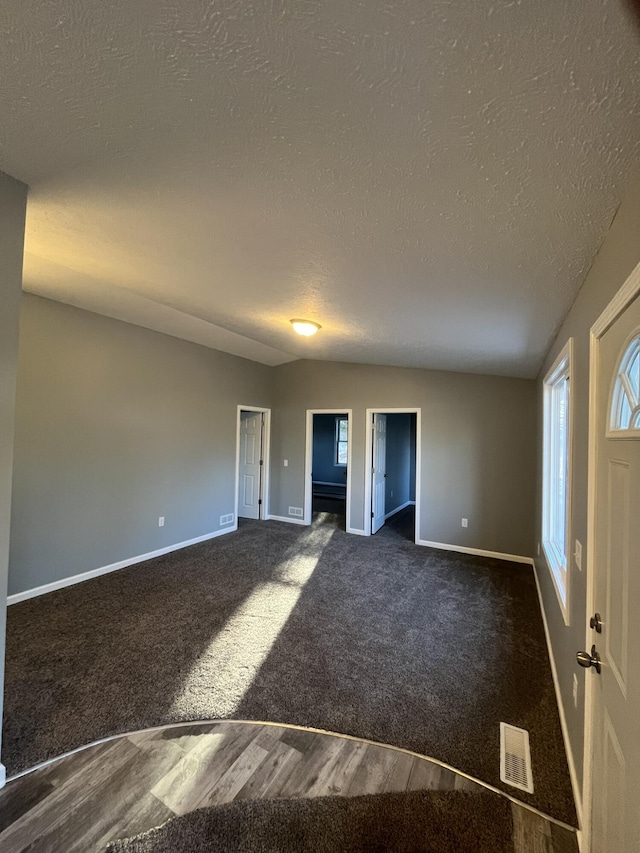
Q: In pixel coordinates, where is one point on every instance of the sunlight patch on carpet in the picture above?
(231, 661)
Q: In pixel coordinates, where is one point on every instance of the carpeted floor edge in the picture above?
(430, 821)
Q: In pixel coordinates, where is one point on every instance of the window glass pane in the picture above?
(636, 420)
(624, 417)
(342, 434)
(633, 372)
(562, 394)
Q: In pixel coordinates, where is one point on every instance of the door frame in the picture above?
(627, 293)
(308, 461)
(381, 410)
(266, 451)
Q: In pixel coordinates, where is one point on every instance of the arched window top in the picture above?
(625, 400)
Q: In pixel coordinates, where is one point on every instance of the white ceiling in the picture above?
(427, 179)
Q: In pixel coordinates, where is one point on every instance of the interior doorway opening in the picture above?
(252, 462)
(328, 465)
(392, 483)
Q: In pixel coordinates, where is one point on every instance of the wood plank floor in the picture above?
(134, 782)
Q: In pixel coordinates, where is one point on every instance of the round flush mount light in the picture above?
(305, 327)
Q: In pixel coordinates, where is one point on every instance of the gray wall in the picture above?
(478, 445)
(399, 461)
(618, 256)
(13, 199)
(324, 450)
(115, 426)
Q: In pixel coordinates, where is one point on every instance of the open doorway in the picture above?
(392, 484)
(328, 465)
(252, 462)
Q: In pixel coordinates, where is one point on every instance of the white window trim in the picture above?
(561, 575)
(337, 464)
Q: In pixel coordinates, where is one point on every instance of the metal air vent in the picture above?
(515, 758)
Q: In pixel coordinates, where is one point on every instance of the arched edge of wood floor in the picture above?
(400, 749)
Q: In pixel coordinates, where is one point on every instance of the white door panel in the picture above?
(615, 811)
(379, 471)
(250, 472)
(249, 490)
(249, 447)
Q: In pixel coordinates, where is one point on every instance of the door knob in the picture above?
(596, 623)
(586, 660)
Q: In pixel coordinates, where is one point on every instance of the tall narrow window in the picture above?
(556, 487)
(342, 440)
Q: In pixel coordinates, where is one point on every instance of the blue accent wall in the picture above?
(401, 460)
(324, 443)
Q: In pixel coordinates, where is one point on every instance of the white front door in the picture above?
(615, 802)
(378, 471)
(250, 470)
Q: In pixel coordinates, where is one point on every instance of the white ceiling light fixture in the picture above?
(305, 327)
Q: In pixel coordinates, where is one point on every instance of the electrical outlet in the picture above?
(286, 463)
(161, 521)
(465, 522)
(296, 510)
(391, 494)
(575, 690)
(577, 554)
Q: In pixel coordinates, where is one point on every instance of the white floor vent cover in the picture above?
(515, 758)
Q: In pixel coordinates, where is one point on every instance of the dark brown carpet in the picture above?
(372, 637)
(425, 821)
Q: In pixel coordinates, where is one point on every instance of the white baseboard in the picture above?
(113, 567)
(286, 518)
(356, 531)
(563, 720)
(399, 509)
(461, 549)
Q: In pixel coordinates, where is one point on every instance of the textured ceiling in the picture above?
(429, 179)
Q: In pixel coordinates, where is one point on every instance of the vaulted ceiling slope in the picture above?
(427, 179)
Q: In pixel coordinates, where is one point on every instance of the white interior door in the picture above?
(250, 468)
(615, 802)
(378, 471)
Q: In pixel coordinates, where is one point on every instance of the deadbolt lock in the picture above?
(596, 623)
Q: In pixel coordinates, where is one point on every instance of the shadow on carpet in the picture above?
(429, 821)
(372, 637)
